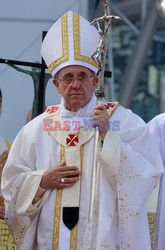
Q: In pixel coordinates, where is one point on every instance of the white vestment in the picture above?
(129, 167)
(157, 129)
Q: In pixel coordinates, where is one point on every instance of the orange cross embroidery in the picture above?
(72, 140)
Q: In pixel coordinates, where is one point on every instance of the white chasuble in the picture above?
(129, 167)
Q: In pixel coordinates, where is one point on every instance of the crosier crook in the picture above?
(99, 54)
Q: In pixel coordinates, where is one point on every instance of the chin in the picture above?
(75, 106)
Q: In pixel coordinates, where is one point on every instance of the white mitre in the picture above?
(70, 41)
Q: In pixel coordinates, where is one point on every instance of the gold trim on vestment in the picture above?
(74, 231)
(116, 107)
(57, 212)
(76, 37)
(73, 238)
(64, 58)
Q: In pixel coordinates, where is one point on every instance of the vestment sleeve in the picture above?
(20, 185)
(154, 129)
(129, 152)
(132, 164)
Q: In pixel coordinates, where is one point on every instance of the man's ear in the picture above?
(95, 81)
(56, 84)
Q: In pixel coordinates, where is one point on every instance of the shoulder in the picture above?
(36, 125)
(126, 116)
(159, 119)
(111, 107)
(52, 109)
(157, 124)
(38, 121)
(31, 130)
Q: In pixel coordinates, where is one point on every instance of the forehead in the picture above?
(75, 69)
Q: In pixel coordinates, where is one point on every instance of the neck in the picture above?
(72, 109)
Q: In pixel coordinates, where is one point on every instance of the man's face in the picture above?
(76, 92)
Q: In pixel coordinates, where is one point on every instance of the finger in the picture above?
(70, 173)
(100, 111)
(97, 112)
(100, 124)
(100, 106)
(63, 185)
(63, 163)
(71, 179)
(67, 168)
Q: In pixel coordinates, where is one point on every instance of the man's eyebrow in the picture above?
(68, 74)
(82, 72)
(79, 73)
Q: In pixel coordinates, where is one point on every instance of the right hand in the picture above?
(51, 178)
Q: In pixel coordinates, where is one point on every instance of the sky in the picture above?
(20, 39)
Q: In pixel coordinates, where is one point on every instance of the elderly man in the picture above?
(47, 178)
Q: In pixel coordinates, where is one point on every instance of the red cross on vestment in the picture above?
(52, 109)
(109, 105)
(72, 140)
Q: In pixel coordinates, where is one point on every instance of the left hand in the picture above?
(101, 120)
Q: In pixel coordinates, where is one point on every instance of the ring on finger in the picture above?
(62, 180)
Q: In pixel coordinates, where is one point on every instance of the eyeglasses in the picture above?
(68, 79)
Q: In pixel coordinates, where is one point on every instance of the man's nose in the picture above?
(76, 83)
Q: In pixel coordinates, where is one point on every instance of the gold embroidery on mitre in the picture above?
(76, 37)
(57, 212)
(64, 58)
